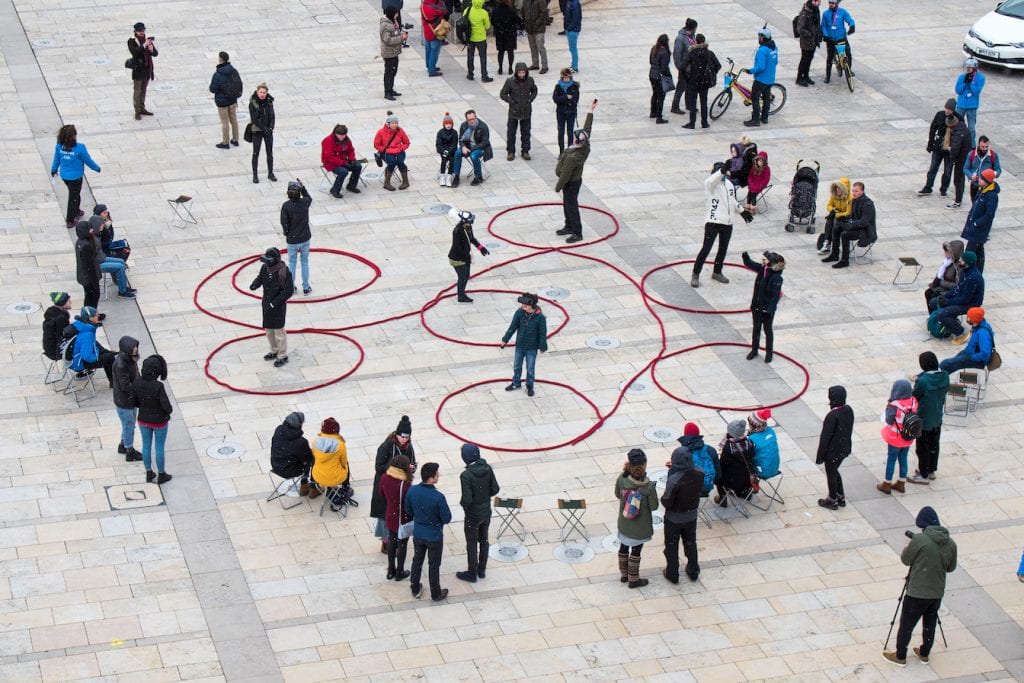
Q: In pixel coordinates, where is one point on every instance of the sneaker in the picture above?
(953, 205)
(826, 248)
(961, 338)
(942, 193)
(891, 657)
(150, 476)
(924, 191)
(917, 653)
(132, 456)
(695, 281)
(573, 239)
(931, 477)
(223, 145)
(390, 575)
(127, 294)
(718, 277)
(280, 361)
(121, 449)
(469, 577)
(529, 391)
(563, 232)
(841, 501)
(511, 156)
(918, 479)
(511, 387)
(417, 591)
(163, 478)
(485, 79)
(444, 591)
(464, 300)
(689, 125)
(269, 356)
(307, 290)
(234, 143)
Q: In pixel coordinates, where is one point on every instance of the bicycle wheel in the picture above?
(720, 104)
(776, 98)
(849, 78)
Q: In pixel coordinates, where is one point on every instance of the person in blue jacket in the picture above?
(979, 218)
(765, 60)
(70, 157)
(968, 293)
(969, 85)
(87, 353)
(430, 513)
(531, 330)
(980, 158)
(836, 25)
(572, 21)
(766, 443)
(978, 351)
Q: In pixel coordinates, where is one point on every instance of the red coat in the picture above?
(334, 153)
(394, 490)
(396, 140)
(431, 13)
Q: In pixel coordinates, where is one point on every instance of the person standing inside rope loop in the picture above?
(531, 330)
(278, 286)
(767, 292)
(569, 170)
(460, 255)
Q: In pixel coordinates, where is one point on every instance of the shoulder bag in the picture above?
(404, 530)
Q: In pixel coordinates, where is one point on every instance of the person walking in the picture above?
(460, 255)
(683, 489)
(398, 442)
(391, 142)
(394, 485)
(70, 157)
(338, 156)
(722, 207)
(506, 24)
(569, 170)
(154, 414)
(535, 22)
(930, 389)
(684, 40)
(392, 36)
(638, 499)
(295, 226)
(702, 68)
(531, 330)
(430, 513)
(567, 98)
(835, 443)
(124, 372)
(479, 24)
(766, 59)
(979, 219)
(968, 89)
(572, 22)
(901, 402)
(660, 76)
(519, 92)
(432, 13)
(278, 286)
(765, 299)
(479, 486)
(808, 30)
(226, 86)
(262, 118)
(930, 554)
(939, 145)
(143, 52)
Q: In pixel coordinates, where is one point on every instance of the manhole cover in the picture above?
(638, 387)
(555, 293)
(300, 143)
(22, 307)
(98, 61)
(508, 552)
(658, 475)
(495, 246)
(602, 342)
(437, 208)
(372, 174)
(611, 543)
(166, 87)
(226, 450)
(133, 496)
(329, 18)
(44, 42)
(660, 434)
(573, 553)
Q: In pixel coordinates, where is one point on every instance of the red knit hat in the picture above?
(988, 175)
(330, 426)
(975, 315)
(691, 429)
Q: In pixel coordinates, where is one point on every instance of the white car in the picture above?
(998, 37)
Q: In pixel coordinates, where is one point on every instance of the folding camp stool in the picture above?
(328, 492)
(864, 255)
(326, 182)
(79, 384)
(181, 206)
(958, 400)
(283, 489)
(56, 370)
(761, 201)
(702, 511)
(572, 515)
(467, 165)
(740, 504)
(976, 383)
(508, 515)
(769, 490)
(912, 265)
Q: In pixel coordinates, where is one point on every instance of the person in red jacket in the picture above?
(391, 143)
(338, 156)
(757, 180)
(433, 12)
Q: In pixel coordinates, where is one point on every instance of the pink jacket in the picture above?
(891, 433)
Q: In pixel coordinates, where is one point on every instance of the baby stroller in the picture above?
(803, 197)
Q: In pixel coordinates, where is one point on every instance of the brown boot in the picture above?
(623, 567)
(387, 181)
(885, 487)
(634, 573)
(898, 486)
(405, 180)
(314, 492)
(304, 488)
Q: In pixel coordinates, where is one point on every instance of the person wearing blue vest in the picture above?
(969, 85)
(766, 444)
(765, 60)
(836, 25)
(70, 157)
(430, 513)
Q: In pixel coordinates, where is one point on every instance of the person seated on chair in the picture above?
(88, 353)
(330, 469)
(758, 178)
(447, 145)
(112, 248)
(737, 460)
(474, 144)
(290, 455)
(947, 275)
(838, 208)
(968, 293)
(979, 347)
(736, 165)
(859, 226)
(338, 156)
(766, 444)
(55, 319)
(705, 457)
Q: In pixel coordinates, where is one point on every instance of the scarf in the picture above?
(563, 85)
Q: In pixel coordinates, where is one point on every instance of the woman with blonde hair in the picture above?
(840, 204)
(637, 498)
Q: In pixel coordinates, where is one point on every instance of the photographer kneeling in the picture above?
(930, 555)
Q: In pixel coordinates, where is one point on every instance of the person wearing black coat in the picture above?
(398, 442)
(567, 100)
(295, 225)
(150, 397)
(683, 489)
(263, 120)
(859, 225)
(87, 262)
(659, 58)
(55, 319)
(939, 149)
(226, 100)
(702, 67)
(143, 50)
(290, 454)
(834, 444)
(767, 292)
(278, 285)
(808, 29)
(460, 255)
(124, 372)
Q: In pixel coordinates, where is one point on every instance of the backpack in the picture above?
(52, 338)
(462, 28)
(911, 426)
(631, 500)
(936, 328)
(234, 84)
(702, 461)
(796, 31)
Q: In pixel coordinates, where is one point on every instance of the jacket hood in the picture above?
(478, 4)
(326, 444)
(938, 534)
(521, 66)
(470, 453)
(837, 396)
(763, 155)
(738, 148)
(691, 443)
(682, 459)
(956, 249)
(82, 229)
(479, 469)
(127, 344)
(96, 222)
(154, 367)
(770, 44)
(900, 389)
(932, 380)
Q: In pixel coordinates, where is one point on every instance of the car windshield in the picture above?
(1012, 8)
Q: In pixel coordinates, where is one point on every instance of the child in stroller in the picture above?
(803, 197)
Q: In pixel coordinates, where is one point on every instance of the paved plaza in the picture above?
(103, 577)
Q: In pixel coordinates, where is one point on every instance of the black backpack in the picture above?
(912, 426)
(796, 32)
(462, 28)
(235, 84)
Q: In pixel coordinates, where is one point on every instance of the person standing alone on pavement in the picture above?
(808, 30)
(764, 301)
(295, 225)
(143, 51)
(392, 36)
(263, 120)
(572, 21)
(834, 445)
(70, 157)
(930, 389)
(519, 91)
(478, 488)
(531, 330)
(430, 513)
(968, 88)
(569, 170)
(226, 86)
(278, 286)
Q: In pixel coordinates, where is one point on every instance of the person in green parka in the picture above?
(930, 389)
(638, 499)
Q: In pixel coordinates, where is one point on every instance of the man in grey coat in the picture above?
(680, 50)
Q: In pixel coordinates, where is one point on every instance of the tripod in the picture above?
(894, 615)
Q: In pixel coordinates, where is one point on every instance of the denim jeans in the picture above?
(970, 117)
(565, 124)
(149, 435)
(433, 51)
(117, 268)
(293, 254)
(341, 172)
(393, 160)
(573, 37)
(960, 361)
(432, 550)
(530, 355)
(127, 417)
(939, 158)
(895, 454)
(474, 157)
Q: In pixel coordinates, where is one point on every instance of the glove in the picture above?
(746, 255)
(747, 216)
(928, 148)
(831, 214)
(483, 250)
(504, 344)
(724, 169)
(53, 174)
(853, 29)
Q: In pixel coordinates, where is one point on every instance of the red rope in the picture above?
(436, 300)
(304, 300)
(684, 309)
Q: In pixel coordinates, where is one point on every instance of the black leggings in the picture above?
(713, 231)
(511, 56)
(259, 137)
(397, 549)
(834, 479)
(657, 97)
(762, 320)
(74, 198)
(634, 551)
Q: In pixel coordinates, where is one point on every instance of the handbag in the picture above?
(667, 84)
(404, 530)
(379, 156)
(442, 29)
(247, 133)
(995, 360)
(131, 63)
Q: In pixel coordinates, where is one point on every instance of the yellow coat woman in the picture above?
(840, 204)
(330, 467)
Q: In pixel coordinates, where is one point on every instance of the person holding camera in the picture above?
(392, 37)
(569, 170)
(391, 143)
(531, 330)
(767, 292)
(722, 208)
(338, 156)
(143, 51)
(930, 554)
(460, 255)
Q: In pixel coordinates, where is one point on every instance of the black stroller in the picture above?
(803, 197)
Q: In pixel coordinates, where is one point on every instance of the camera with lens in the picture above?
(408, 27)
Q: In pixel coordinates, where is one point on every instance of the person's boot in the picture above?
(454, 181)
(121, 448)
(387, 181)
(828, 74)
(132, 455)
(695, 280)
(405, 180)
(633, 573)
(304, 488)
(768, 353)
(828, 503)
(255, 178)
(623, 567)
(885, 487)
(899, 486)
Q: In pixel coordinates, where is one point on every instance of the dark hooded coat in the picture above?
(835, 442)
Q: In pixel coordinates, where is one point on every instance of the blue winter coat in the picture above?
(765, 60)
(979, 346)
(429, 510)
(219, 85)
(835, 30)
(572, 20)
(979, 218)
(969, 291)
(766, 452)
(72, 162)
(85, 350)
(968, 95)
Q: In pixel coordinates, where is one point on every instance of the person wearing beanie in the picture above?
(766, 444)
(930, 389)
(154, 410)
(479, 486)
(125, 371)
(638, 499)
(278, 285)
(569, 169)
(956, 139)
(117, 249)
(433, 12)
(295, 226)
(290, 455)
(430, 513)
(338, 156)
(834, 444)
(398, 442)
(947, 274)
(968, 293)
(938, 147)
(446, 142)
(531, 330)
(901, 402)
(979, 218)
(55, 319)
(705, 458)
(87, 353)
(978, 351)
(765, 300)
(683, 491)
(566, 96)
(737, 462)
(460, 255)
(394, 485)
(930, 555)
(143, 52)
(980, 159)
(391, 142)
(519, 91)
(968, 89)
(330, 471)
(88, 258)
(392, 37)
(262, 119)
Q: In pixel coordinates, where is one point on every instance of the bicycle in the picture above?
(843, 63)
(776, 93)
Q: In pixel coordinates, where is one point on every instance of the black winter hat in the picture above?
(404, 427)
(637, 457)
(470, 453)
(927, 517)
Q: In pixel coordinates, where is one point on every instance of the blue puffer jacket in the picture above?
(979, 346)
(979, 218)
(765, 60)
(968, 95)
(72, 162)
(429, 510)
(85, 350)
(766, 452)
(969, 291)
(834, 23)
